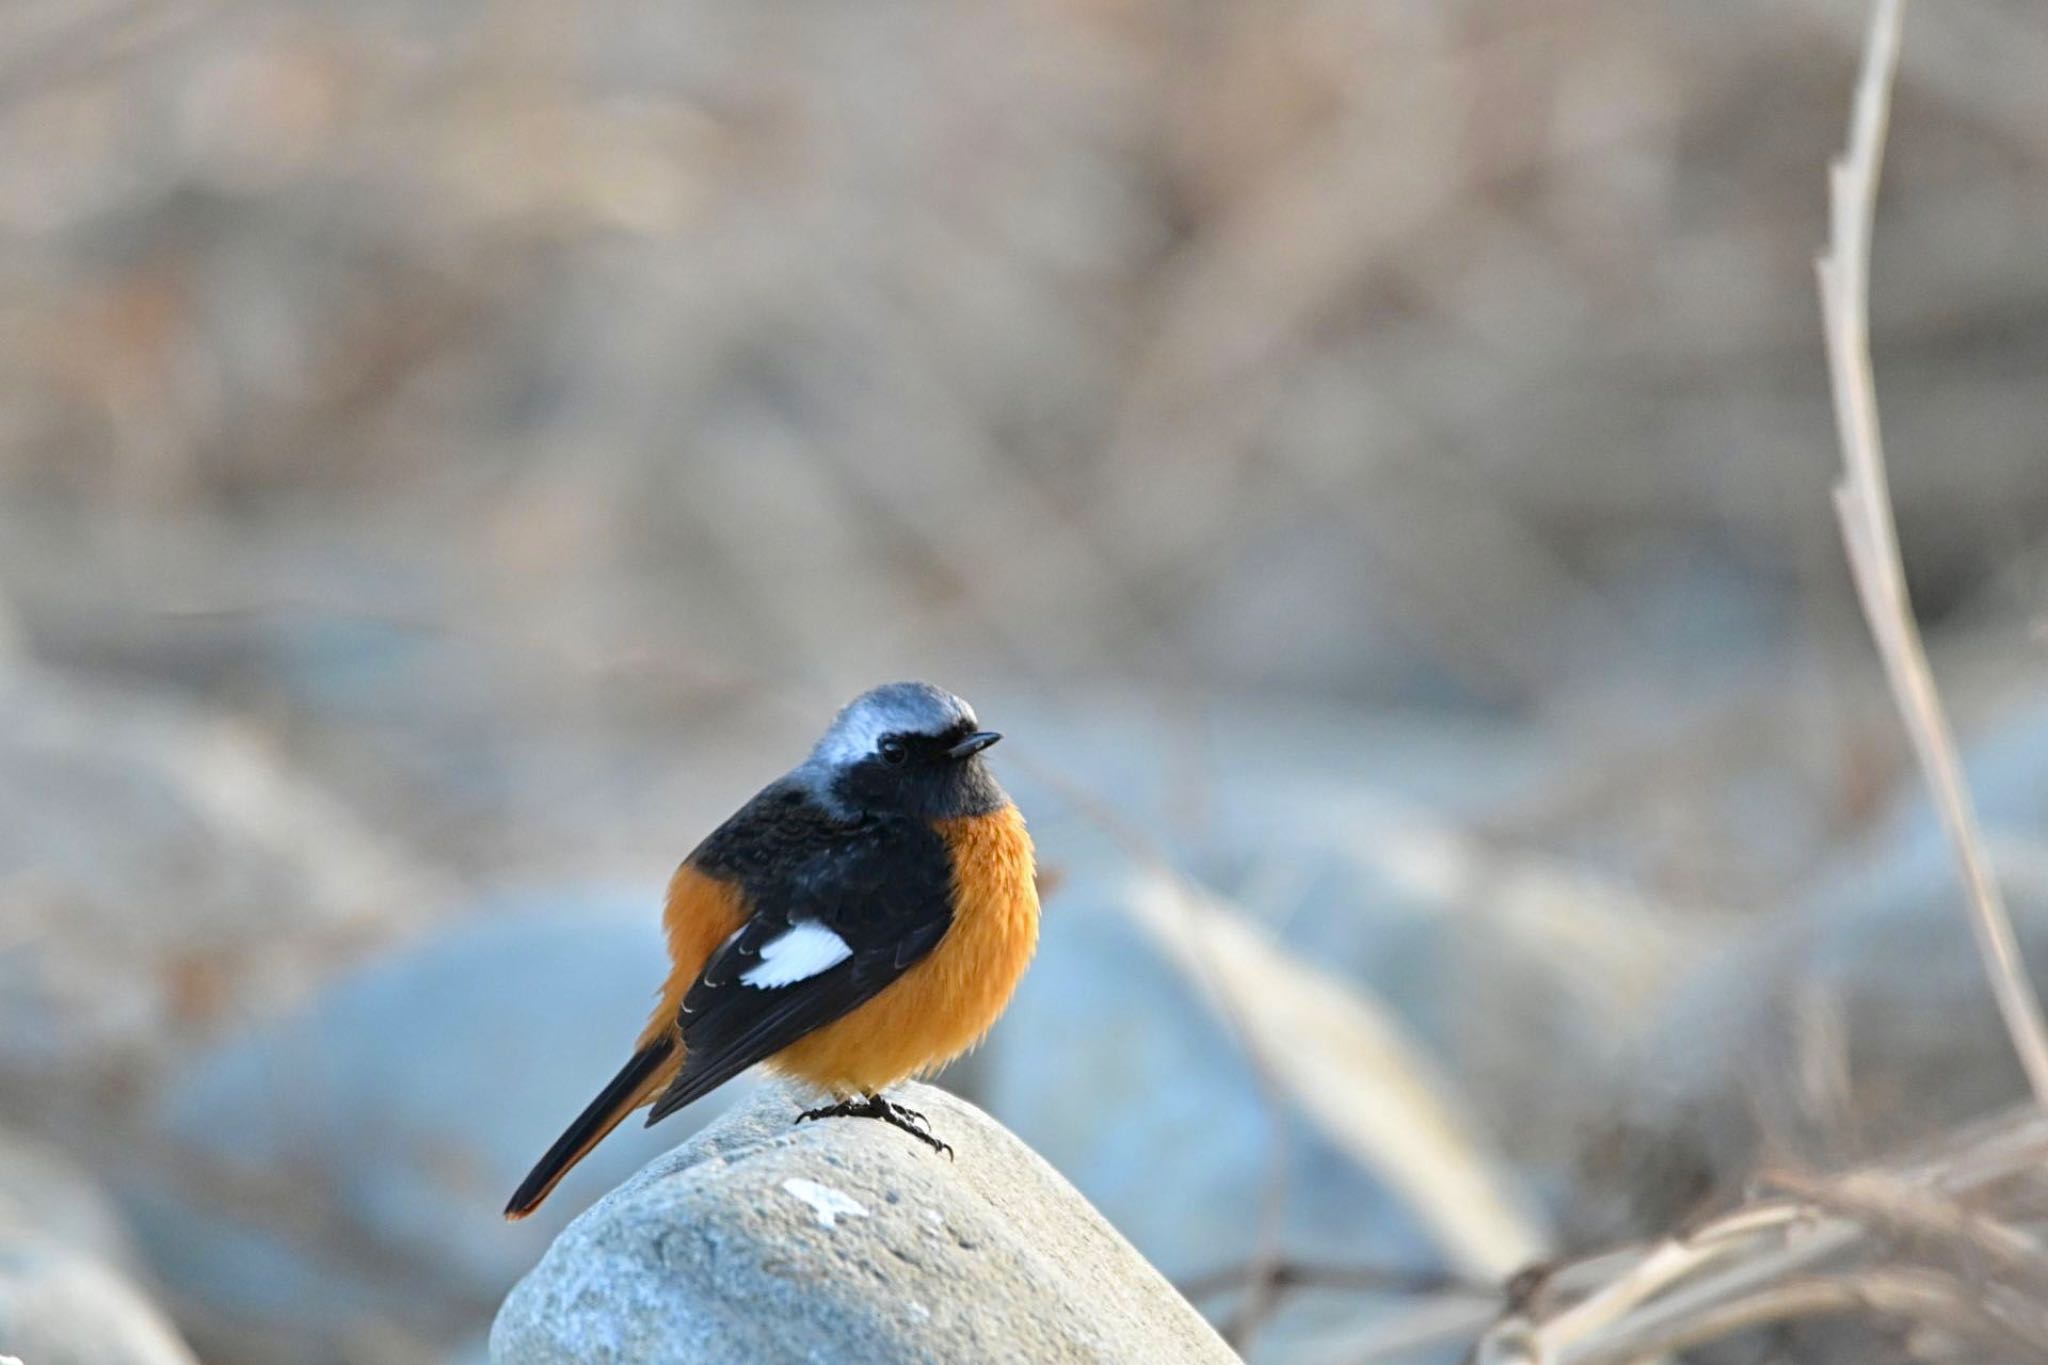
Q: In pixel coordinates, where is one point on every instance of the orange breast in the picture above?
(942, 1006)
(702, 912)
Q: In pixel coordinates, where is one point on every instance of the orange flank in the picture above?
(702, 912)
(943, 1005)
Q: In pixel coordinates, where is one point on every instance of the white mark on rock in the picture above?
(827, 1203)
(921, 1311)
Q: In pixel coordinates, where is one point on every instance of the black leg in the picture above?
(876, 1107)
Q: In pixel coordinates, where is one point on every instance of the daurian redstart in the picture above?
(863, 919)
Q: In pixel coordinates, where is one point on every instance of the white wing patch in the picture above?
(797, 954)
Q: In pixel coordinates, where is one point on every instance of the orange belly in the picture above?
(944, 1004)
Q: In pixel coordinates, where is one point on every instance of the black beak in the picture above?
(973, 744)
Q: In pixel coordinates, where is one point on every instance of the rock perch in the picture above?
(846, 1240)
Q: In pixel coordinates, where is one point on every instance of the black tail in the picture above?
(634, 1083)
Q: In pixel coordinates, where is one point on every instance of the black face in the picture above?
(933, 777)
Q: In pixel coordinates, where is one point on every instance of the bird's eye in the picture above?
(894, 750)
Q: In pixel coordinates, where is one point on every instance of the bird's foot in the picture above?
(876, 1107)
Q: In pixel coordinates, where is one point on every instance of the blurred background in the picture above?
(1370, 457)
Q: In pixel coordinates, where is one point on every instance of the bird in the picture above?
(863, 919)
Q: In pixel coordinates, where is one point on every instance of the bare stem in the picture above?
(1748, 1267)
(1863, 505)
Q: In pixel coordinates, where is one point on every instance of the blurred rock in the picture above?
(1495, 965)
(1111, 1065)
(43, 1192)
(476, 1351)
(12, 653)
(65, 1295)
(61, 1308)
(1495, 960)
(1856, 1024)
(847, 1240)
(164, 872)
(1723, 792)
(1113, 1062)
(371, 1139)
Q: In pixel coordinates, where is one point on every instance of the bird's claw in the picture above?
(876, 1107)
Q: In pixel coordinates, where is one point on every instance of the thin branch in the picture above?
(1863, 505)
(1733, 1237)
(1903, 1211)
(1670, 1284)
(1287, 1276)
(1752, 1266)
(1907, 1296)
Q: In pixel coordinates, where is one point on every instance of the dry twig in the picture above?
(1863, 505)
(1287, 1276)
(1756, 1264)
(1726, 1271)
(1910, 1296)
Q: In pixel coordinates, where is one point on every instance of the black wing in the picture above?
(884, 887)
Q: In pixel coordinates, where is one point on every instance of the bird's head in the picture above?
(906, 748)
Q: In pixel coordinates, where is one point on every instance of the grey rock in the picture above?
(1497, 961)
(474, 1350)
(405, 1102)
(1492, 964)
(846, 1241)
(1109, 1059)
(1855, 1025)
(58, 1307)
(167, 872)
(1112, 1063)
(12, 652)
(67, 1296)
(43, 1193)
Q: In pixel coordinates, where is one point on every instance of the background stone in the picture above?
(405, 1103)
(68, 1272)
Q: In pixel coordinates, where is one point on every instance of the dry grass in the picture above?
(1863, 504)
(1919, 1244)
(1915, 1239)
